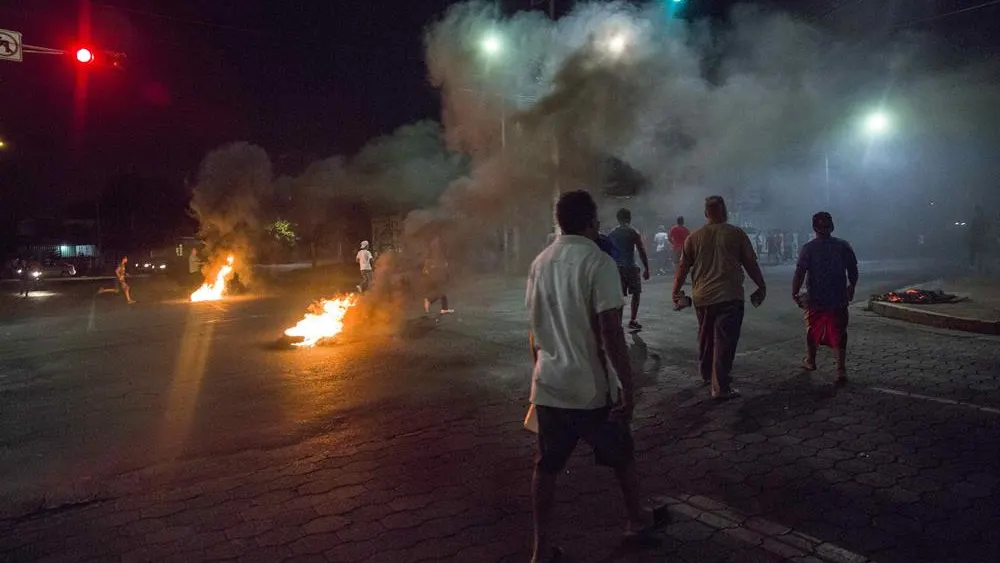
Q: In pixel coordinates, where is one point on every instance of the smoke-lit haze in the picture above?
(765, 109)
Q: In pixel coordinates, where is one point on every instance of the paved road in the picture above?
(172, 430)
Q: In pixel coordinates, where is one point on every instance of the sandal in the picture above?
(646, 536)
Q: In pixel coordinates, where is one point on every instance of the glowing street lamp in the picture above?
(877, 123)
(84, 55)
(617, 44)
(491, 45)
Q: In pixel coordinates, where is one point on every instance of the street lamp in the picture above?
(877, 123)
(491, 45)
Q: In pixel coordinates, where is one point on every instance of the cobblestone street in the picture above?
(899, 466)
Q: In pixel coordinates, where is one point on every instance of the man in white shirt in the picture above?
(660, 241)
(364, 260)
(574, 299)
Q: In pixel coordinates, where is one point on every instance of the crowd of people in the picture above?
(575, 296)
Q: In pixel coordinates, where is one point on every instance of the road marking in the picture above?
(941, 400)
(773, 537)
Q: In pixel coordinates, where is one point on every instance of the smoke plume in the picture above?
(233, 181)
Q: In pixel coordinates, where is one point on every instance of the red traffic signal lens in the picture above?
(84, 55)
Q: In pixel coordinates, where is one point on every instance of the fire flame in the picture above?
(325, 320)
(214, 291)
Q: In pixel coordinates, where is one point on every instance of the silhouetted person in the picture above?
(365, 262)
(716, 256)
(574, 301)
(627, 241)
(678, 236)
(661, 244)
(435, 270)
(120, 275)
(829, 267)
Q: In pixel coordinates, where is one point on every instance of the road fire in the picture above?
(214, 291)
(324, 320)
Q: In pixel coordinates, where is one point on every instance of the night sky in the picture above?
(303, 78)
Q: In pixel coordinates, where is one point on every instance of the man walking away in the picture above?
(435, 270)
(678, 236)
(829, 267)
(364, 260)
(660, 239)
(574, 300)
(716, 256)
(627, 240)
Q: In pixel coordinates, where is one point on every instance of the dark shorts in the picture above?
(559, 430)
(827, 327)
(631, 281)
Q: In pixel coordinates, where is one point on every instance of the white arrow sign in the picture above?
(10, 46)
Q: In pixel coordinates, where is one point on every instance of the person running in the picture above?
(716, 256)
(678, 235)
(829, 267)
(627, 241)
(435, 270)
(120, 274)
(574, 299)
(660, 240)
(365, 260)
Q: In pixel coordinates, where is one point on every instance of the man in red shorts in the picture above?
(829, 267)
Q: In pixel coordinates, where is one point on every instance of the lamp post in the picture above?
(875, 125)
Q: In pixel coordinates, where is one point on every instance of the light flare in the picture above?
(214, 291)
(324, 320)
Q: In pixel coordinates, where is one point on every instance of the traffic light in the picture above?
(84, 55)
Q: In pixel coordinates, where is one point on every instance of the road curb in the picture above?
(911, 314)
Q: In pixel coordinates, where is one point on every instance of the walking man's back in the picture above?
(716, 255)
(573, 298)
(830, 269)
(628, 241)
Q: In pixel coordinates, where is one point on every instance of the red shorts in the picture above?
(827, 327)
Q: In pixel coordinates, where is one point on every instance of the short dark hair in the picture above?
(576, 211)
(624, 215)
(680, 219)
(715, 204)
(822, 219)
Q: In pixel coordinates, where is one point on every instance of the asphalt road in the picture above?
(90, 387)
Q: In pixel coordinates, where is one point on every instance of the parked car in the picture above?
(58, 269)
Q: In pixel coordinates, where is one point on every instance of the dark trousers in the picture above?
(444, 301)
(718, 334)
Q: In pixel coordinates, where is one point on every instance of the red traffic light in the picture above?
(84, 55)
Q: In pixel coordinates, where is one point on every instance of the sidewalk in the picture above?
(978, 312)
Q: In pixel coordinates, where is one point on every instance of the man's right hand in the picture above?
(623, 411)
(758, 297)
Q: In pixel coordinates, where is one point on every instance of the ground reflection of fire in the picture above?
(214, 291)
(324, 320)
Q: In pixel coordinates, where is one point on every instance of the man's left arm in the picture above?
(687, 258)
(852, 272)
(642, 255)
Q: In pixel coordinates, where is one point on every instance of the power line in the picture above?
(836, 7)
(948, 14)
(189, 21)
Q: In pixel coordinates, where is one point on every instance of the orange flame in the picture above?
(325, 320)
(214, 291)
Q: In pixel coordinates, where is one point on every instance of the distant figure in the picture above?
(365, 262)
(627, 241)
(979, 241)
(574, 301)
(194, 267)
(235, 285)
(435, 270)
(660, 240)
(773, 256)
(23, 269)
(678, 236)
(716, 256)
(830, 269)
(122, 285)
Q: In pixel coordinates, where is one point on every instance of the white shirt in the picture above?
(571, 281)
(364, 259)
(660, 239)
(194, 264)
